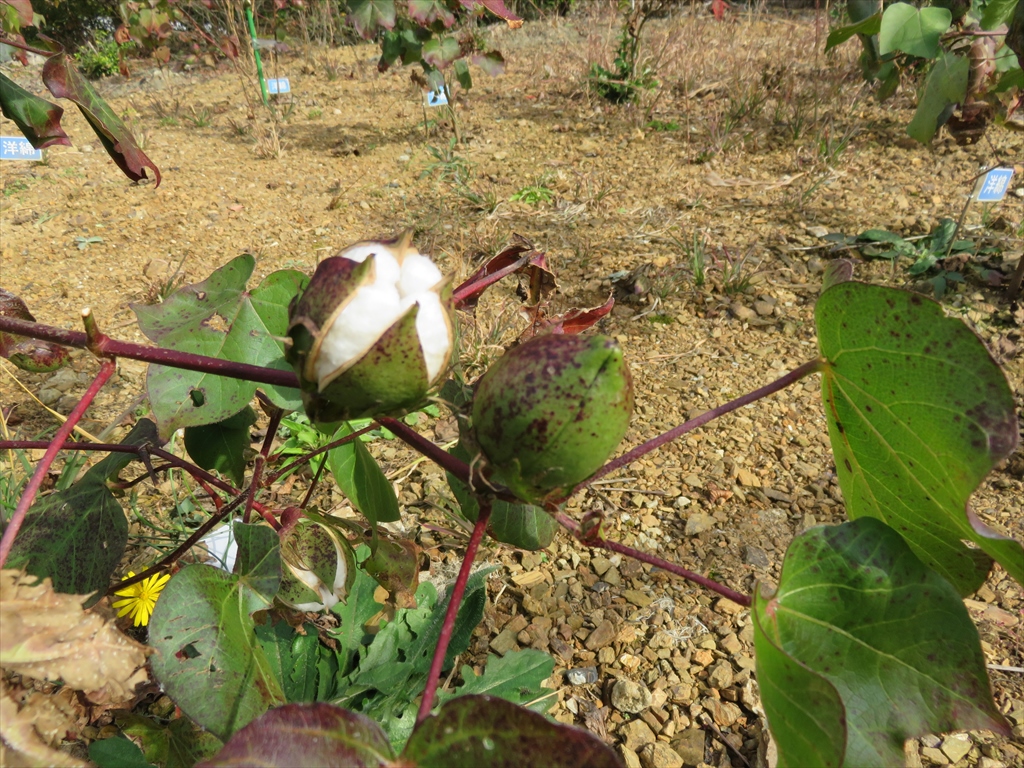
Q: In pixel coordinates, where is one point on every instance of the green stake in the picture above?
(256, 50)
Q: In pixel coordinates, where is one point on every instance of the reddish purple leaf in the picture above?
(578, 320)
(308, 735)
(497, 7)
(65, 82)
(24, 10)
(428, 11)
(492, 62)
(519, 257)
(37, 119)
(475, 731)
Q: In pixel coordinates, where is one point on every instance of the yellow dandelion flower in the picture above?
(140, 598)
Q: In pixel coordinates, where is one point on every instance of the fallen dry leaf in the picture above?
(47, 635)
(21, 743)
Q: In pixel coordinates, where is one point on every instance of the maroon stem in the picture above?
(107, 346)
(8, 40)
(434, 677)
(435, 453)
(597, 540)
(107, 368)
(813, 366)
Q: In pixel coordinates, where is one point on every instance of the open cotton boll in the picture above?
(419, 273)
(372, 310)
(384, 262)
(432, 328)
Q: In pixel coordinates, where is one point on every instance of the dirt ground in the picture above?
(766, 146)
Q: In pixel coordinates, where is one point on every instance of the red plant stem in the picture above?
(592, 540)
(107, 368)
(261, 460)
(434, 676)
(813, 366)
(107, 346)
(7, 40)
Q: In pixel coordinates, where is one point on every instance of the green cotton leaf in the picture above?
(462, 74)
(368, 15)
(217, 318)
(918, 415)
(361, 479)
(856, 609)
(76, 536)
(945, 87)
(208, 659)
(522, 525)
(221, 446)
(178, 744)
(997, 13)
(441, 52)
(307, 734)
(65, 82)
(915, 31)
(474, 731)
(840, 35)
(271, 299)
(37, 118)
(515, 677)
(808, 719)
(117, 752)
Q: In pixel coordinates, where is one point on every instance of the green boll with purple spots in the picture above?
(550, 412)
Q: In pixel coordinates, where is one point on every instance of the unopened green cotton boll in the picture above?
(316, 565)
(549, 413)
(372, 333)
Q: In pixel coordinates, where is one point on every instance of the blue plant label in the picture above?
(18, 148)
(436, 98)
(995, 184)
(279, 85)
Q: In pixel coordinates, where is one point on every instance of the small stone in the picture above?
(763, 308)
(988, 762)
(747, 478)
(699, 522)
(690, 746)
(693, 481)
(721, 675)
(985, 593)
(638, 598)
(815, 265)
(724, 713)
(742, 313)
(600, 564)
(934, 755)
(581, 676)
(956, 746)
(602, 635)
(755, 556)
(730, 644)
(630, 697)
(629, 757)
(661, 640)
(506, 639)
(636, 734)
(660, 755)
(404, 158)
(725, 605)
(818, 231)
(48, 395)
(606, 655)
